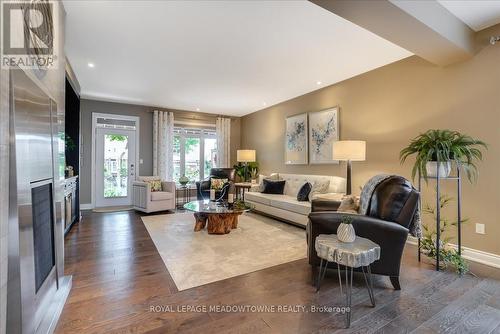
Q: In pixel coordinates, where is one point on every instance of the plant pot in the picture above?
(346, 233)
(444, 168)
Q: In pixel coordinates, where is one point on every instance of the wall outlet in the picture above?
(480, 228)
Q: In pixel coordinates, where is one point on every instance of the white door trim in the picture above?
(95, 116)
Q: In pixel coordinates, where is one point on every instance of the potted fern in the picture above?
(439, 148)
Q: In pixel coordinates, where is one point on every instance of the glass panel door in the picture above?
(210, 155)
(115, 166)
(192, 149)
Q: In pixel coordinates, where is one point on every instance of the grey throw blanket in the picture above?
(415, 227)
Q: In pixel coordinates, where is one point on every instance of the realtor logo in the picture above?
(28, 34)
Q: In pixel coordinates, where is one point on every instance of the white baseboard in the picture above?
(489, 259)
(86, 206)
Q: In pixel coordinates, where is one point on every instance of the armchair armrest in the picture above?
(141, 192)
(324, 205)
(168, 186)
(390, 236)
(147, 185)
(328, 222)
(203, 185)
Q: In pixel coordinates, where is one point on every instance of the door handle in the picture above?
(132, 170)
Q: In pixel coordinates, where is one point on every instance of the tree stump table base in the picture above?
(221, 223)
(200, 221)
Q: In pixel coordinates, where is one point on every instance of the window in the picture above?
(195, 152)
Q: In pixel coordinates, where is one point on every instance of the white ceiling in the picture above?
(477, 14)
(223, 57)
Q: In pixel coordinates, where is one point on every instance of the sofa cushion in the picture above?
(259, 197)
(336, 197)
(284, 202)
(273, 187)
(217, 184)
(319, 187)
(161, 196)
(290, 203)
(273, 176)
(155, 185)
(303, 194)
(295, 181)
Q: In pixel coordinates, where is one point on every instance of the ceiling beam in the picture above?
(423, 27)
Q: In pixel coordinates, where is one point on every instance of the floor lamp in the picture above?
(245, 156)
(349, 150)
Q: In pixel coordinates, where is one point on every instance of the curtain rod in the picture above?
(193, 112)
(212, 125)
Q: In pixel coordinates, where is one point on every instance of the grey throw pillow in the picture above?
(319, 187)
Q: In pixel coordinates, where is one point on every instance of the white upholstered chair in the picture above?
(146, 200)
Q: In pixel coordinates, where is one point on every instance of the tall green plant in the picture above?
(251, 170)
(444, 145)
(448, 256)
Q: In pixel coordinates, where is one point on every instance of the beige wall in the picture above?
(389, 106)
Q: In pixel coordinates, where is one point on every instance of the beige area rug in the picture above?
(197, 258)
(113, 208)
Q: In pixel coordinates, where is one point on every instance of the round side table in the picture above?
(360, 253)
(185, 191)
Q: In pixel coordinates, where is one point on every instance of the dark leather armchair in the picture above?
(203, 187)
(390, 212)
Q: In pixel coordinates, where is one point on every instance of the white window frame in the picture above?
(202, 134)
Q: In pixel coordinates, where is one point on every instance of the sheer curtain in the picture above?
(223, 129)
(163, 142)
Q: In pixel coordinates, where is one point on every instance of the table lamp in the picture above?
(245, 156)
(349, 150)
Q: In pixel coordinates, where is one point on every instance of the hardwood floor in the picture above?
(118, 276)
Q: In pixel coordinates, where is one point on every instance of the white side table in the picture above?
(360, 253)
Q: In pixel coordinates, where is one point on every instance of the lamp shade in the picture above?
(354, 150)
(245, 155)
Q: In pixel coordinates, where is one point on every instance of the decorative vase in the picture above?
(346, 233)
(183, 180)
(444, 168)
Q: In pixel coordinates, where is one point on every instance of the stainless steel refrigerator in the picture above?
(36, 241)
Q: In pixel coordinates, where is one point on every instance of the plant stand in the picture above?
(438, 210)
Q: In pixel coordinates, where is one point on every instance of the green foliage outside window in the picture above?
(117, 137)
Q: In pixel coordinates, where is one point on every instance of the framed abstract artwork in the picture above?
(296, 140)
(323, 131)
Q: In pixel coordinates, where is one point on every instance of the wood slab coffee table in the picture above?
(218, 217)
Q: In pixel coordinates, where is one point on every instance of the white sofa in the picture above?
(148, 201)
(286, 207)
